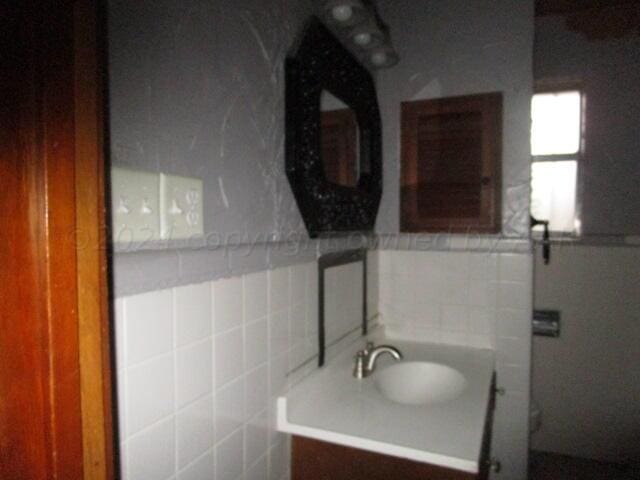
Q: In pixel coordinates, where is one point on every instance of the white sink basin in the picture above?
(419, 383)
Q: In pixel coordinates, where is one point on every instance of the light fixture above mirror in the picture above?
(344, 13)
(367, 34)
(358, 25)
(383, 56)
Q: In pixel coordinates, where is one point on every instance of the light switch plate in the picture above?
(180, 207)
(135, 202)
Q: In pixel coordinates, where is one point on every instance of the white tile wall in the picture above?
(150, 388)
(373, 280)
(201, 468)
(199, 368)
(193, 372)
(480, 300)
(230, 408)
(192, 313)
(148, 313)
(256, 438)
(151, 453)
(227, 303)
(194, 431)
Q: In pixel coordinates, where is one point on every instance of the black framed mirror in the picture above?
(328, 336)
(333, 136)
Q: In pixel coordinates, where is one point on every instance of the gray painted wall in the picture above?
(197, 89)
(610, 74)
(457, 47)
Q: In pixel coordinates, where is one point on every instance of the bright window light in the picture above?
(553, 194)
(555, 125)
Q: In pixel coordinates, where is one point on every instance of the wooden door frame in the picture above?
(55, 362)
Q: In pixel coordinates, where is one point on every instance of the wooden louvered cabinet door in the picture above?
(451, 164)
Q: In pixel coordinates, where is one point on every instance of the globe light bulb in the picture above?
(363, 39)
(342, 13)
(379, 58)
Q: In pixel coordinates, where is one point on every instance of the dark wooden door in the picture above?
(55, 390)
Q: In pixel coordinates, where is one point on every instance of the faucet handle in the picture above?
(370, 346)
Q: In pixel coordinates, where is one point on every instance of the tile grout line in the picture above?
(174, 321)
(196, 460)
(214, 397)
(269, 368)
(243, 376)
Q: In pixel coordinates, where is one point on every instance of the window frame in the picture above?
(555, 88)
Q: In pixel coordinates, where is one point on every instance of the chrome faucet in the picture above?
(365, 360)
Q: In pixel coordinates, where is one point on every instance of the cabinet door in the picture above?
(317, 460)
(451, 164)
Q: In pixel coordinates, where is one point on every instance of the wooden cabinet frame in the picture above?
(487, 107)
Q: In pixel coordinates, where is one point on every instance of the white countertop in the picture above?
(331, 405)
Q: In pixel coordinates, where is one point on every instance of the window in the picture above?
(556, 143)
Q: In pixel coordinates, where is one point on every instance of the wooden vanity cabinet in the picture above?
(318, 460)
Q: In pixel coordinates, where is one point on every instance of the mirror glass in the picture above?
(342, 298)
(340, 147)
(343, 302)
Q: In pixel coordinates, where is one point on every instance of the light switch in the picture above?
(180, 207)
(135, 205)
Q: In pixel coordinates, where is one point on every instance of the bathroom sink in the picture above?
(419, 383)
